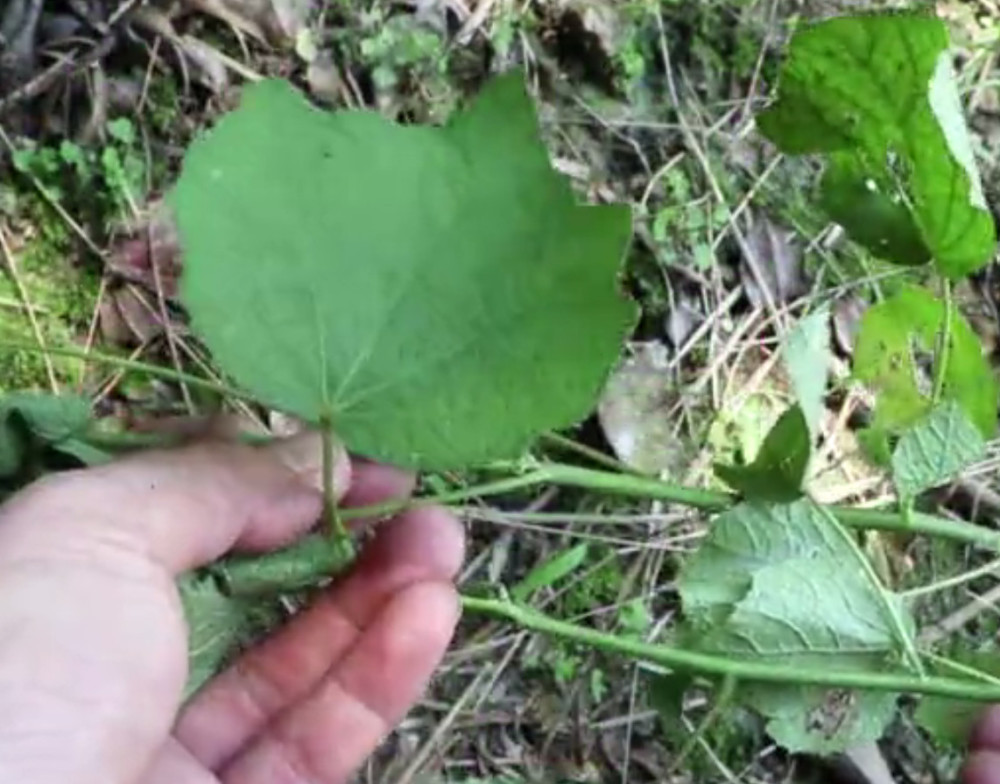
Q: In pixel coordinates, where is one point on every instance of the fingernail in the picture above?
(303, 454)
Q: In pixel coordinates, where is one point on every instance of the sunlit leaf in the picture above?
(877, 93)
(892, 337)
(807, 356)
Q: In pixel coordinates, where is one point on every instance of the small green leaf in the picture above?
(779, 583)
(216, 626)
(219, 626)
(549, 572)
(950, 722)
(807, 356)
(30, 418)
(877, 93)
(437, 293)
(935, 449)
(122, 130)
(780, 466)
(886, 353)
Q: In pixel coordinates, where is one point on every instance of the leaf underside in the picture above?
(778, 583)
(877, 94)
(437, 293)
(935, 449)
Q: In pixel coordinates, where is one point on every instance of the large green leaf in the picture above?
(890, 337)
(780, 583)
(877, 93)
(935, 449)
(437, 292)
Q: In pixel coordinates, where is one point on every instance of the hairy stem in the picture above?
(340, 540)
(741, 668)
(706, 500)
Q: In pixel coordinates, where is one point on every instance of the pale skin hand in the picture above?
(983, 764)
(93, 641)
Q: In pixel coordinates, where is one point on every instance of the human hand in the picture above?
(93, 643)
(983, 764)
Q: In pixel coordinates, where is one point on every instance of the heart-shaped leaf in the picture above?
(437, 294)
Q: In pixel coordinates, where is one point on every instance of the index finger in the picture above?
(181, 508)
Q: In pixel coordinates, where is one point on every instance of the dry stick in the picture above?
(722, 701)
(22, 292)
(952, 623)
(706, 165)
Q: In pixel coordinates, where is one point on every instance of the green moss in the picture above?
(63, 298)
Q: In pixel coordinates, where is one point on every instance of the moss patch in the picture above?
(63, 296)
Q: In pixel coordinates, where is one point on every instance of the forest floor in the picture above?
(643, 102)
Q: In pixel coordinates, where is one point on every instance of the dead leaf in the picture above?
(277, 22)
(778, 261)
(209, 67)
(126, 319)
(634, 411)
(153, 241)
(324, 79)
(847, 313)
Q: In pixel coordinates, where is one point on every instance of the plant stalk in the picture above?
(742, 668)
(705, 500)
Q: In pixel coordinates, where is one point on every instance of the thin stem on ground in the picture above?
(705, 500)
(722, 702)
(954, 581)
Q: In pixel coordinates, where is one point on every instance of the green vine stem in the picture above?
(337, 534)
(554, 473)
(705, 500)
(742, 668)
